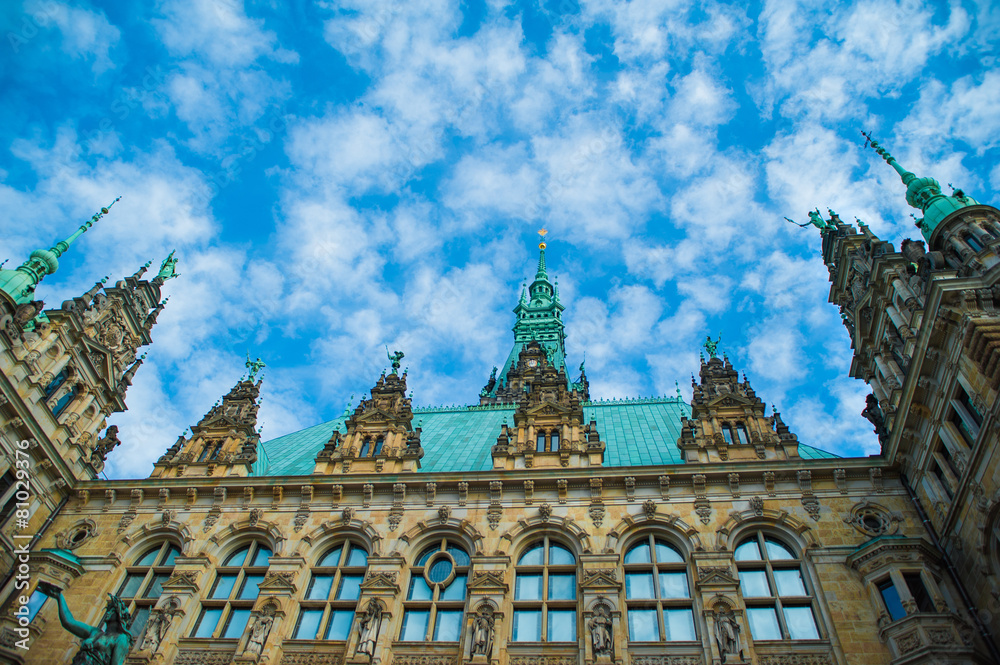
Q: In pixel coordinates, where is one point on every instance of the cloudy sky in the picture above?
(341, 176)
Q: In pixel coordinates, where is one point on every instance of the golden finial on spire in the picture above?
(541, 234)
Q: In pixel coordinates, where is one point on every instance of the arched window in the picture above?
(332, 595)
(54, 384)
(554, 441)
(225, 612)
(540, 443)
(779, 604)
(435, 601)
(658, 593)
(365, 446)
(144, 583)
(974, 243)
(545, 594)
(65, 400)
(379, 442)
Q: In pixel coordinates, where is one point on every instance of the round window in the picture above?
(440, 569)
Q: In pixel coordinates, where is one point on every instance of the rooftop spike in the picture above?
(20, 283)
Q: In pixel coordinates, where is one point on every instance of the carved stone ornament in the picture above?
(444, 512)
(369, 622)
(76, 535)
(727, 635)
(158, 624)
(348, 514)
(483, 626)
(488, 579)
(601, 629)
(649, 508)
(263, 621)
(545, 511)
(255, 515)
(872, 519)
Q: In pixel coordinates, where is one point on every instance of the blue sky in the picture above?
(341, 176)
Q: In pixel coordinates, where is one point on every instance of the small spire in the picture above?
(142, 270)
(130, 372)
(541, 274)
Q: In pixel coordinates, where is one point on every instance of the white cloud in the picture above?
(86, 35)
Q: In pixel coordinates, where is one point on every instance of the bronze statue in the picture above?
(710, 346)
(98, 647)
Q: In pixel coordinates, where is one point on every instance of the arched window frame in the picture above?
(56, 383)
(144, 579)
(768, 583)
(330, 598)
(65, 400)
(225, 609)
(555, 606)
(434, 609)
(674, 609)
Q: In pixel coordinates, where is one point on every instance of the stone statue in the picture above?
(107, 443)
(601, 631)
(727, 635)
(368, 625)
(156, 629)
(873, 413)
(711, 346)
(98, 647)
(394, 358)
(482, 632)
(259, 631)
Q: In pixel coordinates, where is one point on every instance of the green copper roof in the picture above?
(638, 432)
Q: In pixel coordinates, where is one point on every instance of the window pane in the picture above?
(527, 626)
(415, 625)
(532, 557)
(461, 558)
(801, 624)
(440, 570)
(638, 554)
(131, 586)
(455, 590)
(642, 626)
(528, 587)
(357, 557)
(223, 586)
(237, 622)
(754, 583)
(419, 589)
(156, 588)
(139, 618)
(35, 603)
(340, 624)
(350, 587)
(919, 592)
(449, 626)
(674, 585)
(427, 555)
(562, 626)
(249, 589)
(148, 558)
(763, 623)
(560, 556)
(172, 554)
(639, 585)
(891, 599)
(237, 557)
(776, 551)
(308, 626)
(209, 620)
(727, 435)
(789, 582)
(679, 624)
(262, 557)
(331, 558)
(667, 554)
(562, 587)
(748, 551)
(319, 588)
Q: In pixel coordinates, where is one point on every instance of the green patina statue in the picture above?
(815, 219)
(254, 366)
(168, 269)
(394, 358)
(711, 346)
(98, 647)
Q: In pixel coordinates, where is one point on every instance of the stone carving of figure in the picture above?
(601, 631)
(156, 628)
(107, 443)
(98, 647)
(259, 631)
(368, 625)
(727, 635)
(873, 413)
(482, 632)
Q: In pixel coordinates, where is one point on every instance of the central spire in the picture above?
(538, 319)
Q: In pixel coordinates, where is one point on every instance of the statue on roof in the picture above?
(394, 358)
(711, 346)
(168, 269)
(254, 366)
(815, 219)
